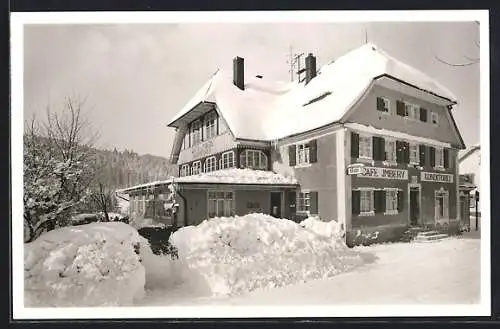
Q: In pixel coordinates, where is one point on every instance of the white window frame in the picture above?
(371, 196)
(210, 126)
(391, 201)
(303, 202)
(412, 111)
(228, 204)
(259, 159)
(185, 170)
(368, 147)
(446, 204)
(392, 159)
(196, 132)
(439, 158)
(210, 164)
(303, 154)
(414, 154)
(434, 117)
(224, 160)
(387, 105)
(196, 164)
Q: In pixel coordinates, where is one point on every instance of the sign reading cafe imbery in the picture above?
(436, 177)
(385, 173)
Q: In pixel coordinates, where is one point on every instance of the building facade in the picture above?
(374, 147)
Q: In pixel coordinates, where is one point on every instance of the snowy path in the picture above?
(447, 271)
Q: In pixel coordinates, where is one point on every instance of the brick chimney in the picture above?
(310, 67)
(239, 72)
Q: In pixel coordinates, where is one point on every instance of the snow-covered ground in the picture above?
(443, 272)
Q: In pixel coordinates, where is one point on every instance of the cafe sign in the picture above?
(436, 177)
(384, 173)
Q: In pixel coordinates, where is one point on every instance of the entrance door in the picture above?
(275, 204)
(414, 206)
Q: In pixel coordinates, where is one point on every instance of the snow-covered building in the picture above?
(366, 140)
(469, 164)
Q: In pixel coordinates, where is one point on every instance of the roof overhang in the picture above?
(393, 83)
(198, 110)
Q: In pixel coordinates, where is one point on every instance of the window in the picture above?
(412, 111)
(196, 168)
(391, 201)
(184, 170)
(303, 201)
(414, 155)
(210, 164)
(434, 118)
(220, 204)
(383, 104)
(365, 147)
(195, 133)
(210, 126)
(441, 204)
(366, 202)
(439, 158)
(390, 151)
(227, 160)
(302, 154)
(254, 159)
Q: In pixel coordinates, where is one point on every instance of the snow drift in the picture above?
(97, 264)
(240, 254)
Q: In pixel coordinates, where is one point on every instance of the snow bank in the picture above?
(90, 265)
(240, 254)
(331, 229)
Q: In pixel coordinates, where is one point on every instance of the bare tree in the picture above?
(468, 59)
(58, 156)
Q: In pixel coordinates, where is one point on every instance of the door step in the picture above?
(429, 236)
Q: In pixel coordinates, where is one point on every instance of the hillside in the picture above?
(118, 169)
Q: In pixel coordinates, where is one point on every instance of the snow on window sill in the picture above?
(303, 165)
(369, 213)
(440, 168)
(391, 212)
(303, 212)
(390, 163)
(366, 160)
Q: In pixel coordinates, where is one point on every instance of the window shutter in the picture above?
(399, 152)
(380, 104)
(356, 200)
(400, 108)
(375, 148)
(379, 201)
(446, 160)
(313, 151)
(423, 114)
(401, 201)
(292, 202)
(382, 148)
(433, 156)
(292, 155)
(421, 149)
(314, 203)
(406, 152)
(354, 145)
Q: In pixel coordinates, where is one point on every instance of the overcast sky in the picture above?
(136, 77)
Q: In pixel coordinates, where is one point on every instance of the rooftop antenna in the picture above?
(294, 61)
(366, 34)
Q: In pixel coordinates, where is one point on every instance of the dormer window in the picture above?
(195, 133)
(253, 159)
(196, 168)
(210, 126)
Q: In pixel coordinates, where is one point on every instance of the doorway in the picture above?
(275, 204)
(414, 206)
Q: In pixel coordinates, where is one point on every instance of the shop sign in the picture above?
(384, 173)
(354, 170)
(436, 177)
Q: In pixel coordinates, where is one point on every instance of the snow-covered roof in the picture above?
(226, 176)
(462, 154)
(269, 111)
